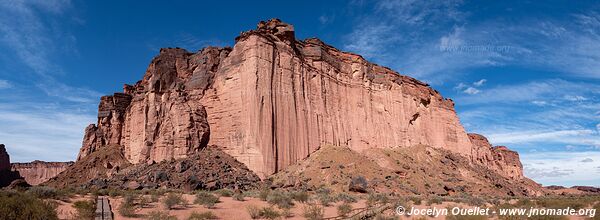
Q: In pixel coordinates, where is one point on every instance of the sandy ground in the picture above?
(228, 208)
(65, 210)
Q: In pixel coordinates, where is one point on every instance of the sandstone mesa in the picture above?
(270, 101)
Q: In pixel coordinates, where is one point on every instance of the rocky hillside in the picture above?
(272, 100)
(420, 170)
(37, 172)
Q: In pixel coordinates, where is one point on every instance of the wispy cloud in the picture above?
(438, 40)
(25, 30)
(562, 168)
(4, 84)
(42, 117)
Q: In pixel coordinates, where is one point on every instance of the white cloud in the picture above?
(34, 43)
(539, 103)
(575, 98)
(541, 90)
(570, 147)
(471, 91)
(46, 126)
(562, 168)
(587, 160)
(43, 130)
(424, 39)
(4, 84)
(480, 82)
(573, 137)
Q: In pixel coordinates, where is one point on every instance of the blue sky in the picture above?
(524, 73)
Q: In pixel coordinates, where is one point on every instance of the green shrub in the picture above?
(174, 199)
(85, 209)
(313, 212)
(300, 196)
(325, 199)
(434, 200)
(206, 199)
(21, 206)
(374, 199)
(269, 213)
(280, 199)
(254, 211)
(344, 209)
(202, 216)
(239, 197)
(154, 197)
(346, 198)
(158, 215)
(263, 194)
(127, 210)
(224, 192)
(43, 192)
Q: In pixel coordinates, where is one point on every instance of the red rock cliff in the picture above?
(38, 172)
(272, 100)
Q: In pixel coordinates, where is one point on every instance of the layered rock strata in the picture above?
(38, 172)
(499, 158)
(272, 100)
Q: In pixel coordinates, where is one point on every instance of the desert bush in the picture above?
(239, 197)
(159, 215)
(202, 216)
(127, 209)
(254, 211)
(434, 200)
(346, 198)
(85, 209)
(174, 199)
(154, 196)
(300, 196)
(269, 213)
(416, 200)
(280, 199)
(287, 213)
(263, 194)
(43, 192)
(344, 209)
(143, 201)
(313, 212)
(21, 206)
(376, 198)
(562, 202)
(224, 192)
(206, 199)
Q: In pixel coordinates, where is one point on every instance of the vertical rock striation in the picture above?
(272, 100)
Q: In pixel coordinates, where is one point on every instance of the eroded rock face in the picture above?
(38, 172)
(4, 158)
(6, 175)
(272, 100)
(499, 158)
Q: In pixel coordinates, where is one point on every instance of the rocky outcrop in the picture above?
(4, 158)
(7, 176)
(38, 172)
(499, 158)
(272, 100)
